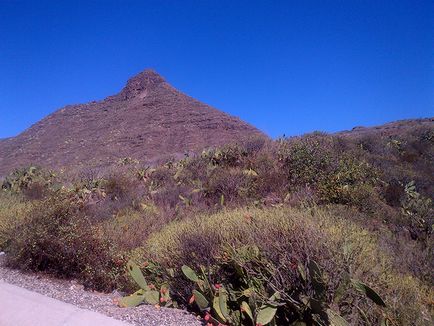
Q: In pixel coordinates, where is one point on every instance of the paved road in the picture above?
(21, 307)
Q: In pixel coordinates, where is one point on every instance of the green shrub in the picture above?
(348, 183)
(307, 160)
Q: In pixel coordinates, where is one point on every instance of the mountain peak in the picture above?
(142, 83)
(149, 75)
(149, 120)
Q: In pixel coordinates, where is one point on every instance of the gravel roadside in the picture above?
(72, 292)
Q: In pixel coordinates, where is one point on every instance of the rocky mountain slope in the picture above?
(394, 128)
(148, 120)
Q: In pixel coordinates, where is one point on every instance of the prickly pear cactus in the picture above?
(146, 293)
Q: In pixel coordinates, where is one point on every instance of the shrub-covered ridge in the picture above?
(258, 215)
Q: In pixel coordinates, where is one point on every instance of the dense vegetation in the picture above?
(313, 230)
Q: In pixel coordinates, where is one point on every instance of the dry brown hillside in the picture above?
(148, 120)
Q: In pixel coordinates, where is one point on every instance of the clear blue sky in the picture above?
(287, 67)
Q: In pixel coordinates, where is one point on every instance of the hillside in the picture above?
(320, 229)
(394, 128)
(147, 120)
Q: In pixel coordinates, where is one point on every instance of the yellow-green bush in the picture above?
(56, 237)
(129, 228)
(13, 209)
(288, 235)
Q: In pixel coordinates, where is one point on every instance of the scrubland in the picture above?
(312, 230)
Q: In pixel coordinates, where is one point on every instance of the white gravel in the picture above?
(72, 292)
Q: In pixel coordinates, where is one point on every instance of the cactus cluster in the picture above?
(419, 210)
(244, 298)
(147, 292)
(229, 305)
(24, 178)
(316, 305)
